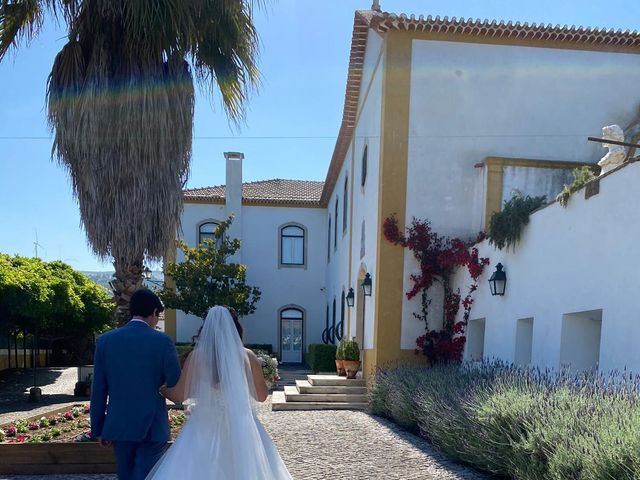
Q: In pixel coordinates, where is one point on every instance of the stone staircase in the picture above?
(322, 392)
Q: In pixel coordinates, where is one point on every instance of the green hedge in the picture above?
(517, 423)
(321, 357)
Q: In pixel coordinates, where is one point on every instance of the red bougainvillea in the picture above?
(438, 257)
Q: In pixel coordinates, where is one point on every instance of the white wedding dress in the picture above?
(222, 438)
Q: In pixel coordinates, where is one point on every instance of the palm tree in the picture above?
(120, 104)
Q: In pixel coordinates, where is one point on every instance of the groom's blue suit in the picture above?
(131, 363)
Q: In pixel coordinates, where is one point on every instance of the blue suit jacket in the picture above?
(130, 365)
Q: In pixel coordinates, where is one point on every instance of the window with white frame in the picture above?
(335, 230)
(363, 174)
(329, 241)
(345, 205)
(292, 245)
(206, 231)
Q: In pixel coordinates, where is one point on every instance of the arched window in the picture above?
(206, 232)
(292, 245)
(335, 230)
(363, 177)
(329, 241)
(345, 204)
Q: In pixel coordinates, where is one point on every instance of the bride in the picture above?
(222, 439)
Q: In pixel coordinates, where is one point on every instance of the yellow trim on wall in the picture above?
(392, 196)
(524, 41)
(494, 179)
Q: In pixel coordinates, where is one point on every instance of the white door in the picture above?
(291, 336)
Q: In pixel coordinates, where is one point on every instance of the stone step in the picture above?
(305, 387)
(279, 403)
(293, 395)
(335, 381)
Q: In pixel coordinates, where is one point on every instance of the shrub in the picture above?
(505, 226)
(321, 358)
(265, 347)
(581, 176)
(523, 424)
(351, 351)
(340, 350)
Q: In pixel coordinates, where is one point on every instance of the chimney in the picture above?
(233, 194)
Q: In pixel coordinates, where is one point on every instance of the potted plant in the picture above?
(340, 359)
(351, 355)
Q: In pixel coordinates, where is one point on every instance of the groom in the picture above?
(131, 363)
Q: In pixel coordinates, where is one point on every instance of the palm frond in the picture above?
(19, 19)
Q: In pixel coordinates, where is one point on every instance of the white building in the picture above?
(571, 284)
(281, 225)
(442, 120)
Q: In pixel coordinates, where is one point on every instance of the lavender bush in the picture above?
(522, 423)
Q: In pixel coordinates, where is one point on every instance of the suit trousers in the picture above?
(135, 460)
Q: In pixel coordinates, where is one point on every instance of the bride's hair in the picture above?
(236, 322)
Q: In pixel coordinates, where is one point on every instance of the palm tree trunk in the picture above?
(126, 280)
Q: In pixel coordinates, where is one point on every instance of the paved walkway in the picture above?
(340, 445)
(314, 445)
(57, 386)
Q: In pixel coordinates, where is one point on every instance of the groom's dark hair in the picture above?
(144, 302)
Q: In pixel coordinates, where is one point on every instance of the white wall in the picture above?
(471, 101)
(364, 199)
(280, 286)
(580, 340)
(581, 258)
(536, 182)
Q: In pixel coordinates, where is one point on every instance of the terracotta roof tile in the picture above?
(595, 37)
(277, 192)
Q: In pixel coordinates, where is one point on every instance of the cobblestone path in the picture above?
(340, 445)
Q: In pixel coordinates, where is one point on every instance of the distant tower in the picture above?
(376, 6)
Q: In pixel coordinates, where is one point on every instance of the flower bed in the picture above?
(60, 442)
(69, 425)
(522, 424)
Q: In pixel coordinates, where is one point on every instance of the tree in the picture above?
(51, 298)
(120, 104)
(206, 277)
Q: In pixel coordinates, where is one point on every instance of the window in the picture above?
(329, 242)
(292, 251)
(363, 178)
(335, 230)
(206, 232)
(345, 205)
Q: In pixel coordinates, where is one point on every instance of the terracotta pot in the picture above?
(340, 368)
(352, 368)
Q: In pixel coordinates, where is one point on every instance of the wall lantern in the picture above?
(366, 285)
(498, 281)
(350, 298)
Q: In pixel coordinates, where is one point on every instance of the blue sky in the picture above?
(291, 123)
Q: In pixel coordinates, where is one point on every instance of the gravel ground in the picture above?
(340, 445)
(57, 386)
